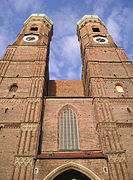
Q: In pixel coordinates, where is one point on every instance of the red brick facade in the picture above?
(31, 106)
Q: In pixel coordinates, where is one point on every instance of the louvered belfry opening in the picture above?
(68, 130)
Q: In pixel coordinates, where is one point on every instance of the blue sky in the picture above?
(65, 58)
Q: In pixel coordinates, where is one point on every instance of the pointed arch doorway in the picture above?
(71, 171)
(71, 174)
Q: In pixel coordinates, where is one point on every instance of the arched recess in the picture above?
(74, 166)
(68, 129)
(68, 106)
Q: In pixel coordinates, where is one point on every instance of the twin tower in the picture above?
(63, 129)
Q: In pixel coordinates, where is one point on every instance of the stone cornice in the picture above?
(20, 100)
(23, 62)
(103, 47)
(108, 62)
(110, 99)
(17, 79)
(38, 46)
(111, 78)
(10, 125)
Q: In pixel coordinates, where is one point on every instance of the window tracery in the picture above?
(68, 130)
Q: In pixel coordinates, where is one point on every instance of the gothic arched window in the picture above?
(68, 130)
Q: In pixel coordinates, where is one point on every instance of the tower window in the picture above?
(13, 88)
(119, 88)
(34, 28)
(68, 131)
(1, 127)
(96, 29)
(6, 110)
(13, 96)
(128, 109)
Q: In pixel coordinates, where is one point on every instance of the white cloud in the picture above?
(100, 7)
(65, 58)
(70, 49)
(12, 16)
(6, 35)
(88, 2)
(64, 22)
(53, 64)
(120, 26)
(114, 29)
(74, 74)
(23, 5)
(67, 64)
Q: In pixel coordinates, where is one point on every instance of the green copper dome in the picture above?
(88, 16)
(40, 15)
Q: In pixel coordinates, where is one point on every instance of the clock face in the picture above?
(100, 40)
(30, 38)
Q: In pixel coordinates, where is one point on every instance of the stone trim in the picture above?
(23, 100)
(122, 100)
(118, 80)
(110, 100)
(71, 165)
(24, 62)
(29, 126)
(48, 98)
(108, 125)
(10, 125)
(125, 124)
(116, 157)
(17, 79)
(23, 161)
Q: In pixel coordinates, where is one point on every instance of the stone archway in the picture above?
(72, 166)
(71, 174)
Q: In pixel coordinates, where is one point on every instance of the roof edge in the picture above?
(89, 16)
(39, 15)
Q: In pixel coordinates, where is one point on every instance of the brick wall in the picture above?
(126, 134)
(46, 166)
(9, 138)
(65, 88)
(88, 139)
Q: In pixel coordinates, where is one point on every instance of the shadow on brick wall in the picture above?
(52, 88)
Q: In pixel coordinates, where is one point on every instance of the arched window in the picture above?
(68, 130)
(13, 88)
(119, 88)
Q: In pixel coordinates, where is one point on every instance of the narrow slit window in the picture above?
(68, 130)
(1, 128)
(6, 110)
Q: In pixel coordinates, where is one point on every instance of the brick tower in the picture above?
(23, 83)
(108, 78)
(64, 129)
